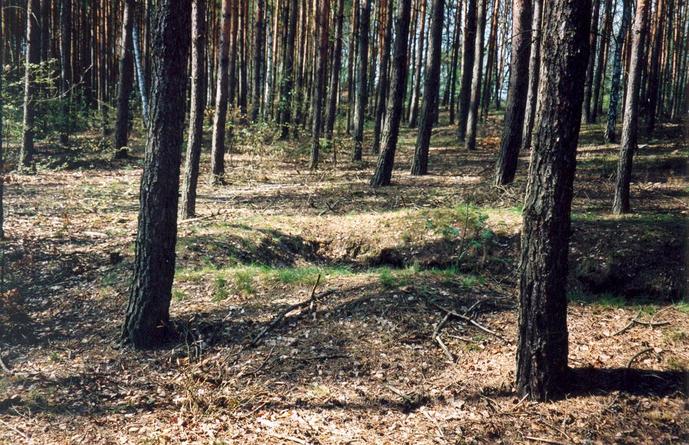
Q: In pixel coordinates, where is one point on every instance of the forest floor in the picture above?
(377, 272)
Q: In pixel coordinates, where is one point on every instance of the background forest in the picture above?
(344, 221)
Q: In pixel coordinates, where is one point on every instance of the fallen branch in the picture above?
(544, 440)
(24, 436)
(288, 438)
(470, 321)
(4, 367)
(633, 359)
(635, 320)
(445, 349)
(278, 318)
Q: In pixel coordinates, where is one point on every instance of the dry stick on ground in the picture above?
(471, 321)
(553, 427)
(636, 320)
(543, 440)
(441, 434)
(24, 436)
(633, 359)
(278, 318)
(445, 349)
(4, 367)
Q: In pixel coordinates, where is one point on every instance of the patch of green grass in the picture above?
(179, 295)
(243, 281)
(220, 289)
(683, 307)
(394, 278)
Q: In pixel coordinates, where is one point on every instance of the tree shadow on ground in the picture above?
(638, 382)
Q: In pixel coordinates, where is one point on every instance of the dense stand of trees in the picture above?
(306, 65)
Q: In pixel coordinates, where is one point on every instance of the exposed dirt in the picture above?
(360, 364)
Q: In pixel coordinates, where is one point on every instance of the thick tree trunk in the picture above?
(393, 115)
(517, 94)
(147, 322)
(416, 90)
(604, 43)
(242, 100)
(468, 56)
(616, 84)
(2, 110)
(288, 72)
(476, 77)
(32, 58)
(124, 86)
(65, 65)
(351, 68)
(198, 86)
(221, 99)
(431, 89)
(543, 347)
(534, 71)
(381, 99)
(259, 38)
(334, 88)
(362, 85)
(631, 112)
(319, 81)
(588, 86)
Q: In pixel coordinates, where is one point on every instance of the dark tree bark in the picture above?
(232, 54)
(319, 81)
(362, 85)
(65, 65)
(334, 88)
(288, 72)
(476, 77)
(543, 346)
(393, 115)
(381, 99)
(259, 38)
(124, 86)
(616, 84)
(416, 89)
(468, 56)
(198, 104)
(593, 39)
(2, 110)
(243, 61)
(603, 45)
(631, 112)
(431, 89)
(534, 71)
(32, 58)
(221, 99)
(517, 94)
(147, 322)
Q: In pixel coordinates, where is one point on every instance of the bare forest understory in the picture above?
(403, 324)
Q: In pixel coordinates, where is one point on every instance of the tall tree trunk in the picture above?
(198, 86)
(32, 58)
(288, 72)
(631, 112)
(476, 75)
(139, 69)
(259, 37)
(455, 60)
(124, 88)
(221, 98)
(243, 73)
(534, 71)
(588, 86)
(469, 54)
(416, 89)
(398, 79)
(362, 85)
(655, 64)
(431, 89)
(65, 66)
(543, 346)
(2, 110)
(604, 43)
(508, 157)
(232, 55)
(319, 80)
(334, 88)
(610, 130)
(492, 54)
(147, 322)
(351, 68)
(381, 99)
